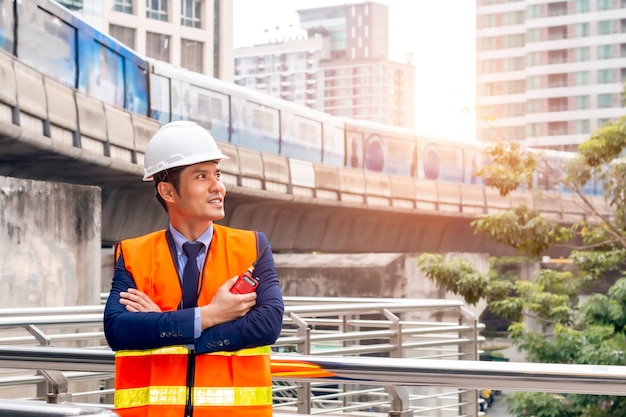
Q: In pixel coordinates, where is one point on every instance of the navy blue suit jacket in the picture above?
(126, 330)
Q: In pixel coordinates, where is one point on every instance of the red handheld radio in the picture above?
(246, 283)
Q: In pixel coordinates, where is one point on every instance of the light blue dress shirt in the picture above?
(181, 260)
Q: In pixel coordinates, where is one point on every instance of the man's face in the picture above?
(202, 192)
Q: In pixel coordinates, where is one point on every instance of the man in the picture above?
(187, 346)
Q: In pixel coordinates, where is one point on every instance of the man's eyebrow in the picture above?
(198, 170)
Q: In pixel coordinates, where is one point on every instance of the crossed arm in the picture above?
(230, 322)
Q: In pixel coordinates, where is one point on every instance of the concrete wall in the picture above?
(50, 242)
(392, 275)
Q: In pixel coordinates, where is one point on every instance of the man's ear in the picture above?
(166, 191)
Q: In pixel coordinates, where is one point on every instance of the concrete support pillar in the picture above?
(50, 239)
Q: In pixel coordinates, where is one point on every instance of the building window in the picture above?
(533, 58)
(533, 129)
(513, 41)
(557, 128)
(191, 56)
(533, 11)
(533, 35)
(583, 126)
(557, 80)
(605, 51)
(582, 78)
(582, 102)
(190, 13)
(557, 57)
(123, 6)
(582, 6)
(156, 9)
(533, 106)
(605, 4)
(488, 44)
(605, 100)
(557, 9)
(582, 30)
(605, 76)
(123, 34)
(582, 54)
(557, 32)
(605, 27)
(557, 104)
(513, 64)
(533, 82)
(512, 18)
(158, 46)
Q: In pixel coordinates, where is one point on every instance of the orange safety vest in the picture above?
(154, 382)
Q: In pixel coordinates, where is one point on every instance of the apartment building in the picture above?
(342, 67)
(288, 69)
(549, 72)
(193, 34)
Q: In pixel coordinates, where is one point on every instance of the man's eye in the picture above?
(218, 175)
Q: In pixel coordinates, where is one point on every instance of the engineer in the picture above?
(185, 345)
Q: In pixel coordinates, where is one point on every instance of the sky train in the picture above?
(79, 56)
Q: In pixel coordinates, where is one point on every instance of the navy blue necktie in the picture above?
(191, 274)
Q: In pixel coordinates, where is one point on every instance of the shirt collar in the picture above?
(179, 239)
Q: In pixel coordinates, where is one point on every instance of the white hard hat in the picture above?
(179, 144)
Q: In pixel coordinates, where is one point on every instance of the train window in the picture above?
(354, 149)
(381, 150)
(392, 155)
(210, 109)
(451, 162)
(179, 90)
(38, 27)
(301, 138)
(101, 72)
(334, 147)
(136, 84)
(160, 98)
(442, 162)
(254, 126)
(6, 26)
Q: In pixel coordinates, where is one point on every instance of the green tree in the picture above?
(571, 329)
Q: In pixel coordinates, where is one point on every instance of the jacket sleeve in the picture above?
(262, 325)
(126, 330)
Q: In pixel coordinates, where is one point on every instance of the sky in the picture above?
(440, 34)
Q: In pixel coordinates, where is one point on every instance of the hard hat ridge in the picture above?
(178, 144)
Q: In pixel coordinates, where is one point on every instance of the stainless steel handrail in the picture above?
(516, 376)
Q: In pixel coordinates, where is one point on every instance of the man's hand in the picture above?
(137, 301)
(226, 306)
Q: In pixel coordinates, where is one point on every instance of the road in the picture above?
(498, 409)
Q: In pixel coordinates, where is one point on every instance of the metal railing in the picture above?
(392, 373)
(355, 327)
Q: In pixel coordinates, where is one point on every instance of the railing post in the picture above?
(58, 383)
(396, 339)
(399, 402)
(304, 390)
(469, 351)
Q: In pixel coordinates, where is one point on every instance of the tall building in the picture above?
(193, 34)
(549, 72)
(342, 68)
(288, 70)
